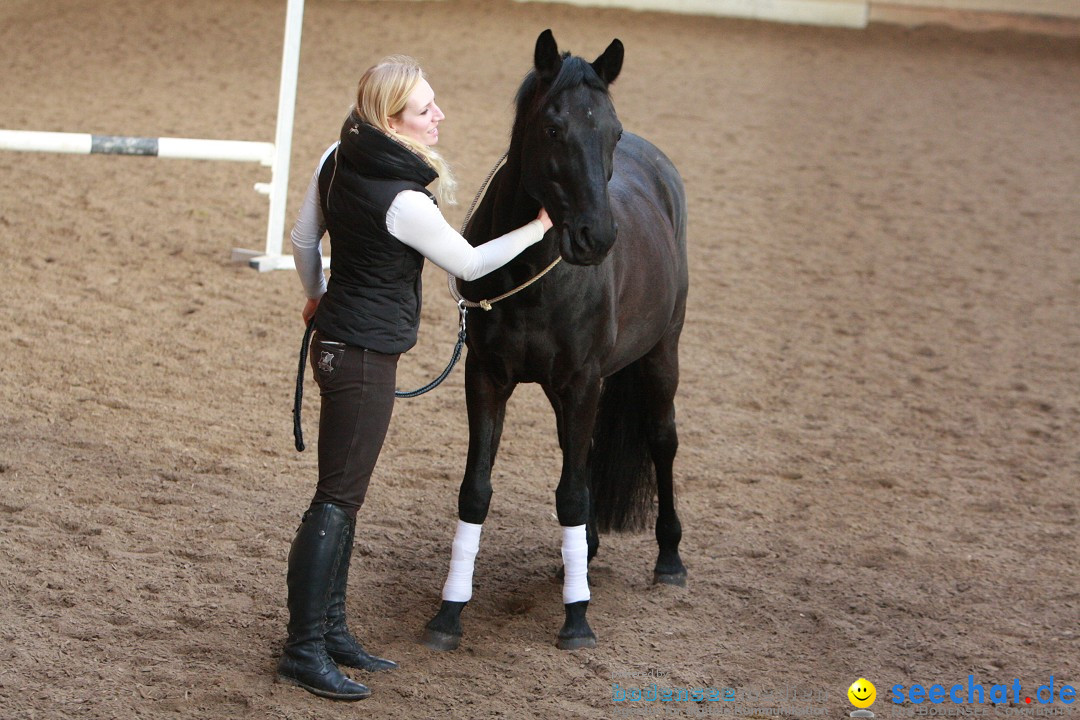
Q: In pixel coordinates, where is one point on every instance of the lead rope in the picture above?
(452, 282)
(462, 312)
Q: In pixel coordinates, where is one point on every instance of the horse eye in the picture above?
(552, 133)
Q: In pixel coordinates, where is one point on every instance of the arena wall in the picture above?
(1058, 17)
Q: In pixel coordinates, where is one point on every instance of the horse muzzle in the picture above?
(585, 245)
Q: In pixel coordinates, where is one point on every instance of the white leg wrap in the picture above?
(458, 587)
(575, 558)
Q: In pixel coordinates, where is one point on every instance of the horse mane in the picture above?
(573, 72)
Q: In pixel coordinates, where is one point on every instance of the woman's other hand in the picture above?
(309, 309)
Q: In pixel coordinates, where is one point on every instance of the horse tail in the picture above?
(622, 476)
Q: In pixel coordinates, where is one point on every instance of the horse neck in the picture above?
(512, 208)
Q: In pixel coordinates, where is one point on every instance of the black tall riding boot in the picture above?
(313, 561)
(340, 644)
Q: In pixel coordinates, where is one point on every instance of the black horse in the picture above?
(599, 332)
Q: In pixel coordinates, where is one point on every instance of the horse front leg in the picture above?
(575, 412)
(486, 403)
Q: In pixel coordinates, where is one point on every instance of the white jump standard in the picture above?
(274, 155)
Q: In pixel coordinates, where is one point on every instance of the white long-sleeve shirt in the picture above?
(416, 221)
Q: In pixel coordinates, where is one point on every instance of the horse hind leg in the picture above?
(669, 568)
(661, 378)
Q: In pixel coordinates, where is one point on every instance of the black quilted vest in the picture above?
(373, 295)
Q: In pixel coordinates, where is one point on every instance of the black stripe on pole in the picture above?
(120, 145)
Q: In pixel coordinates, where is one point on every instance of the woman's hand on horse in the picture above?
(544, 219)
(309, 309)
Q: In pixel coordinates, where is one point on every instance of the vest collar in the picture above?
(373, 153)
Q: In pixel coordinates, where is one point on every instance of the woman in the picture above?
(370, 193)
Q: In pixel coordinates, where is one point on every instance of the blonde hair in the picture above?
(382, 93)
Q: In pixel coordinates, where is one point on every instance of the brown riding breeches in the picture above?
(357, 391)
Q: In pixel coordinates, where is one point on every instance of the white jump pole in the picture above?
(272, 259)
(166, 147)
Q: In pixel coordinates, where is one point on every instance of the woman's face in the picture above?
(420, 118)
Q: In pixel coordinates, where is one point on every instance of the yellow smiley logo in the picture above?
(862, 693)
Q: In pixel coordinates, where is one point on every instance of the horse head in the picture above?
(567, 129)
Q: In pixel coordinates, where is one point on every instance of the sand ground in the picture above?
(879, 405)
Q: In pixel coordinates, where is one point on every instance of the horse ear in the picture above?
(608, 65)
(546, 58)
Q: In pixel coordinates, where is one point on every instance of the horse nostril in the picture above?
(583, 243)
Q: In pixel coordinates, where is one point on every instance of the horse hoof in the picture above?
(576, 643)
(441, 641)
(678, 579)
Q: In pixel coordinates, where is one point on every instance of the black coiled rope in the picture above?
(298, 397)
